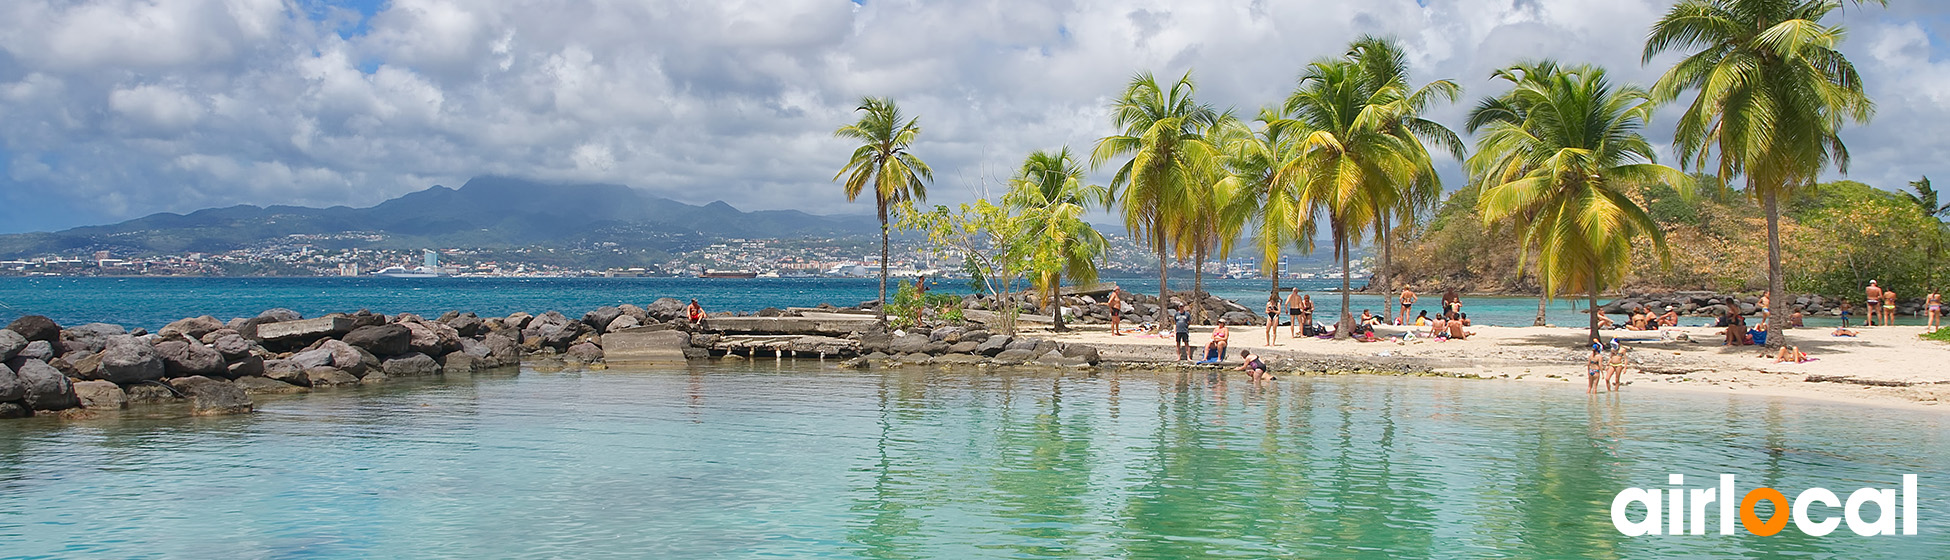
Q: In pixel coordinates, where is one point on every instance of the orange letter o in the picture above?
(1774, 523)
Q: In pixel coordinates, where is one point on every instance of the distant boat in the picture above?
(403, 272)
(728, 274)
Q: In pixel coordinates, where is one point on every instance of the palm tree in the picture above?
(1050, 191)
(1159, 129)
(1508, 109)
(883, 161)
(1773, 92)
(1925, 198)
(1385, 66)
(1353, 162)
(1265, 198)
(1206, 225)
(1564, 169)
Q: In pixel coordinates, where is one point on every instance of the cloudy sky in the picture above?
(112, 109)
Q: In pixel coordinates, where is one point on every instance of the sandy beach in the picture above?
(1885, 366)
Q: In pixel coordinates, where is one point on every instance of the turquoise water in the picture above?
(153, 302)
(772, 459)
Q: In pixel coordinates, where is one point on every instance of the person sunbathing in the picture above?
(1605, 322)
(1792, 354)
(1845, 331)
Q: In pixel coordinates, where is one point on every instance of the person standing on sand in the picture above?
(1408, 301)
(1273, 319)
(1116, 305)
(1888, 307)
(1293, 311)
(1875, 305)
(1181, 322)
(1848, 309)
(1933, 308)
(1451, 303)
(1616, 371)
(1594, 367)
(1306, 311)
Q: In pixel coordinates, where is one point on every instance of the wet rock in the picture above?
(126, 359)
(959, 359)
(184, 358)
(245, 367)
(329, 377)
(46, 388)
(11, 343)
(909, 344)
(383, 340)
(212, 397)
(410, 365)
(374, 378)
(458, 363)
(36, 327)
(100, 395)
(15, 410)
(266, 386)
(994, 345)
(1083, 352)
(286, 371)
(92, 337)
(584, 353)
(150, 392)
(194, 327)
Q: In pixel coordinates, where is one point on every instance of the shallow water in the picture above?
(801, 460)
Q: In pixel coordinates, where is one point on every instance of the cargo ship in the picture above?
(728, 274)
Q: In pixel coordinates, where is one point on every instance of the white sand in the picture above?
(1892, 355)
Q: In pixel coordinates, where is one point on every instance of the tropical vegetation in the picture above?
(884, 163)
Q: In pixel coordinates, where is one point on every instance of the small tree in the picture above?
(984, 235)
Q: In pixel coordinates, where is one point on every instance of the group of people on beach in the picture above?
(1882, 307)
(1604, 368)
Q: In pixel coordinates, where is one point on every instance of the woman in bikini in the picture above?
(1888, 307)
(1593, 365)
(1933, 308)
(1273, 319)
(1616, 369)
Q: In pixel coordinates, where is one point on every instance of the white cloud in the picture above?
(153, 105)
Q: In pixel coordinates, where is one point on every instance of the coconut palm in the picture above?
(1385, 66)
(1564, 170)
(1925, 198)
(1207, 225)
(1160, 130)
(1265, 198)
(1353, 163)
(883, 162)
(1050, 191)
(1507, 109)
(1773, 92)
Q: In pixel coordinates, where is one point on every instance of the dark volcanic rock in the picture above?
(467, 324)
(329, 377)
(665, 309)
(92, 337)
(909, 344)
(382, 340)
(287, 371)
(127, 359)
(211, 397)
(150, 393)
(599, 319)
(46, 388)
(231, 344)
(11, 388)
(585, 353)
(266, 386)
(15, 410)
(39, 350)
(184, 358)
(247, 366)
(409, 365)
(279, 314)
(194, 327)
(1083, 352)
(36, 327)
(11, 344)
(993, 345)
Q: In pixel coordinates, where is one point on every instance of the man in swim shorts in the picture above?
(1293, 310)
(1875, 304)
(1181, 321)
(1408, 301)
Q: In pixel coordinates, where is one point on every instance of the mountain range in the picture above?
(486, 212)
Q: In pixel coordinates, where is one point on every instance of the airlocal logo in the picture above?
(1683, 511)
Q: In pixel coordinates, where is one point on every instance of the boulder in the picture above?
(11, 388)
(1024, 343)
(266, 386)
(279, 315)
(502, 350)
(948, 334)
(473, 348)
(909, 344)
(993, 345)
(599, 319)
(975, 335)
(15, 410)
(548, 318)
(1043, 347)
(458, 363)
(646, 346)
(329, 377)
(127, 359)
(560, 337)
(665, 309)
(383, 340)
(303, 330)
(184, 358)
(245, 367)
(231, 344)
(212, 397)
(963, 347)
(194, 327)
(39, 350)
(1238, 318)
(467, 324)
(584, 353)
(286, 371)
(36, 327)
(875, 341)
(432, 338)
(46, 388)
(150, 393)
(365, 318)
(92, 337)
(1013, 356)
(100, 395)
(316, 357)
(410, 364)
(958, 359)
(1083, 352)
(623, 322)
(345, 357)
(518, 320)
(11, 343)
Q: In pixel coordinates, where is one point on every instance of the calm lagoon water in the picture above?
(803, 460)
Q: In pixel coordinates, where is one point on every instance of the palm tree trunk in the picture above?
(1382, 276)
(1273, 321)
(1776, 284)
(1346, 327)
(1198, 284)
(880, 311)
(1056, 304)
(1542, 300)
(1593, 297)
(1164, 293)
